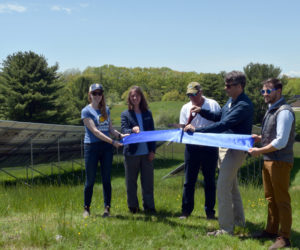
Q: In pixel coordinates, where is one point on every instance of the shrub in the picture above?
(171, 96)
(112, 98)
(164, 118)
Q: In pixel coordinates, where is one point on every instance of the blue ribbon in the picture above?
(233, 141)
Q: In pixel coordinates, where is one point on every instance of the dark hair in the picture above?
(236, 77)
(101, 106)
(274, 81)
(143, 103)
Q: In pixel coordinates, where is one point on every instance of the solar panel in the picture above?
(24, 143)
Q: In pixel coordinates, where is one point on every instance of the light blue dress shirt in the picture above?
(142, 148)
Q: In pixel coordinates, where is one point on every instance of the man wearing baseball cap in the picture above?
(198, 157)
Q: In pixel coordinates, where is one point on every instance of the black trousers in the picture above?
(206, 158)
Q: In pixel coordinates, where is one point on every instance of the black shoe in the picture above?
(211, 217)
(149, 211)
(134, 210)
(264, 235)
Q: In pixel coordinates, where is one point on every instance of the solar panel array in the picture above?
(23, 143)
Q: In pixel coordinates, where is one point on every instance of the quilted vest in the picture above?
(269, 134)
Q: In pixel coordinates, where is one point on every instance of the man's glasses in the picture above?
(192, 94)
(268, 91)
(228, 86)
(97, 93)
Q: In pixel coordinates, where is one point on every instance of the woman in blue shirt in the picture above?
(98, 146)
(139, 156)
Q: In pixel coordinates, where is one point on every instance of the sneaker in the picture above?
(183, 216)
(217, 233)
(264, 235)
(281, 242)
(86, 212)
(106, 212)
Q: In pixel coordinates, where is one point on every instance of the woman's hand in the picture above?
(136, 129)
(151, 156)
(117, 144)
(123, 135)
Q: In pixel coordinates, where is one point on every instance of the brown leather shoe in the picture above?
(264, 235)
(280, 242)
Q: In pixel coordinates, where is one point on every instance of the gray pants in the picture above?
(134, 165)
(231, 211)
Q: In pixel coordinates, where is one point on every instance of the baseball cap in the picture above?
(193, 88)
(95, 86)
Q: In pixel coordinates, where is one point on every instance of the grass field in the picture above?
(297, 114)
(172, 107)
(50, 216)
(49, 213)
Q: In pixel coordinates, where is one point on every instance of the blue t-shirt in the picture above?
(142, 148)
(101, 124)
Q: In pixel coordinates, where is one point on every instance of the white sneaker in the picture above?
(183, 216)
(217, 233)
(86, 213)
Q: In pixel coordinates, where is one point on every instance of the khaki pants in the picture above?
(231, 211)
(276, 178)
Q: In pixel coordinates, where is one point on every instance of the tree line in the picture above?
(33, 91)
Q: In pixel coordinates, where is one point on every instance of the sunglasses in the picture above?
(190, 94)
(228, 86)
(97, 93)
(268, 91)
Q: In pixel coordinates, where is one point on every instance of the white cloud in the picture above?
(12, 8)
(292, 73)
(59, 8)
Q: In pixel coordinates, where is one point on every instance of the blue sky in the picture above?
(185, 35)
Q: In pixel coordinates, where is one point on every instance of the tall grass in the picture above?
(50, 216)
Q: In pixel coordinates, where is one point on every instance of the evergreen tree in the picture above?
(78, 99)
(29, 89)
(213, 87)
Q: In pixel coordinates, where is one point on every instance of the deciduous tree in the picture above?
(256, 73)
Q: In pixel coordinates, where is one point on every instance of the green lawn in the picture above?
(297, 114)
(50, 216)
(172, 107)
